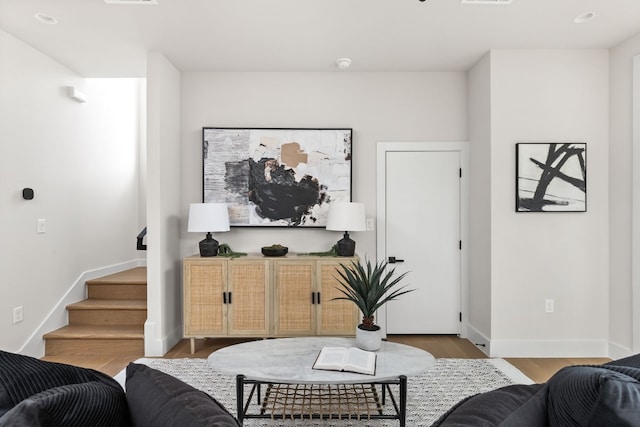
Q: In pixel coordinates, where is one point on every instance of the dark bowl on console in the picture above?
(274, 251)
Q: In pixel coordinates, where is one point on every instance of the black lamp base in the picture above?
(208, 246)
(346, 246)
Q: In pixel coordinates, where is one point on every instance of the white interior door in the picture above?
(423, 230)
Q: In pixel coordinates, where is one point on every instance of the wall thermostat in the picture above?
(27, 193)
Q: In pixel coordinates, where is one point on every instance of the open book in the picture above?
(346, 359)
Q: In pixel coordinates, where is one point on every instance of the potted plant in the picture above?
(369, 288)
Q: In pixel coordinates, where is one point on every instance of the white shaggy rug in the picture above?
(429, 394)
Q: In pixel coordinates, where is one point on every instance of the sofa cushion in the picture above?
(75, 405)
(488, 409)
(594, 396)
(23, 376)
(631, 361)
(157, 399)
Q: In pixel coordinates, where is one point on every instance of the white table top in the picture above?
(290, 360)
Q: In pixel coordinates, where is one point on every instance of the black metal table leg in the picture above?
(240, 397)
(403, 400)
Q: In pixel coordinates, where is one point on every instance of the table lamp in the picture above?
(346, 216)
(208, 217)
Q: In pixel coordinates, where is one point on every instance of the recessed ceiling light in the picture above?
(584, 17)
(45, 19)
(343, 63)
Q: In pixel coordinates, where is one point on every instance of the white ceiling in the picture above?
(98, 39)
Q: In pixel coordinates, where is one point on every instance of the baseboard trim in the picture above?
(618, 352)
(158, 347)
(57, 317)
(478, 339)
(549, 348)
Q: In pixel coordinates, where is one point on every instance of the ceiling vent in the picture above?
(131, 1)
(496, 2)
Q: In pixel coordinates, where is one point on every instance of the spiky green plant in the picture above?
(369, 288)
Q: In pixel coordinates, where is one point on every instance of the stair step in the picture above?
(109, 304)
(137, 275)
(108, 312)
(95, 340)
(129, 284)
(109, 323)
(90, 332)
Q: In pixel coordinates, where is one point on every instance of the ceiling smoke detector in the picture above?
(343, 63)
(494, 2)
(131, 1)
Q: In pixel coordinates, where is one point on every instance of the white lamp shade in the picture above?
(346, 216)
(208, 217)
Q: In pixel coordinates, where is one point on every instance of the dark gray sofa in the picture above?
(605, 395)
(35, 393)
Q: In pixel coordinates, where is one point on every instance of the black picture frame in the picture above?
(551, 177)
(276, 177)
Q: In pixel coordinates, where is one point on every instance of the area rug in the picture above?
(429, 395)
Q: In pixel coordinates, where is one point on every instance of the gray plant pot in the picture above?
(368, 340)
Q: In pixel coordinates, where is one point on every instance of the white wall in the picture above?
(378, 106)
(549, 96)
(81, 160)
(479, 316)
(620, 187)
(164, 272)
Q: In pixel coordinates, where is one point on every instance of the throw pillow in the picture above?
(488, 409)
(76, 405)
(23, 376)
(157, 399)
(594, 396)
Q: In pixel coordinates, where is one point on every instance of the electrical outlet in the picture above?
(18, 314)
(548, 306)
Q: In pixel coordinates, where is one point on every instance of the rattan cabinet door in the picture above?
(249, 295)
(205, 281)
(334, 317)
(294, 297)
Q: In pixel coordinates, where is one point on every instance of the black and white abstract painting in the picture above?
(276, 177)
(551, 177)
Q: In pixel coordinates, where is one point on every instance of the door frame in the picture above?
(462, 148)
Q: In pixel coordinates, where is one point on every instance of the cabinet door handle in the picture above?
(224, 297)
(318, 298)
(313, 298)
(229, 297)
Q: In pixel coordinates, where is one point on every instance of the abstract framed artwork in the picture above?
(551, 177)
(274, 177)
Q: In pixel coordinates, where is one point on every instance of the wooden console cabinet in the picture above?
(258, 296)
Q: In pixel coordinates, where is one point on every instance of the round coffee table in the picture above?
(290, 361)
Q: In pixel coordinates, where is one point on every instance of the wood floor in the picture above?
(449, 346)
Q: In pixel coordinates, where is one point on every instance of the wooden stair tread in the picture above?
(108, 304)
(134, 276)
(97, 332)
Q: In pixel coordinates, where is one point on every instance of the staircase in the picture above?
(110, 322)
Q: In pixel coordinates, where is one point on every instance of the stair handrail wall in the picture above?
(139, 245)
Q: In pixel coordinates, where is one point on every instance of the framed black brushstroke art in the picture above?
(551, 177)
(274, 177)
